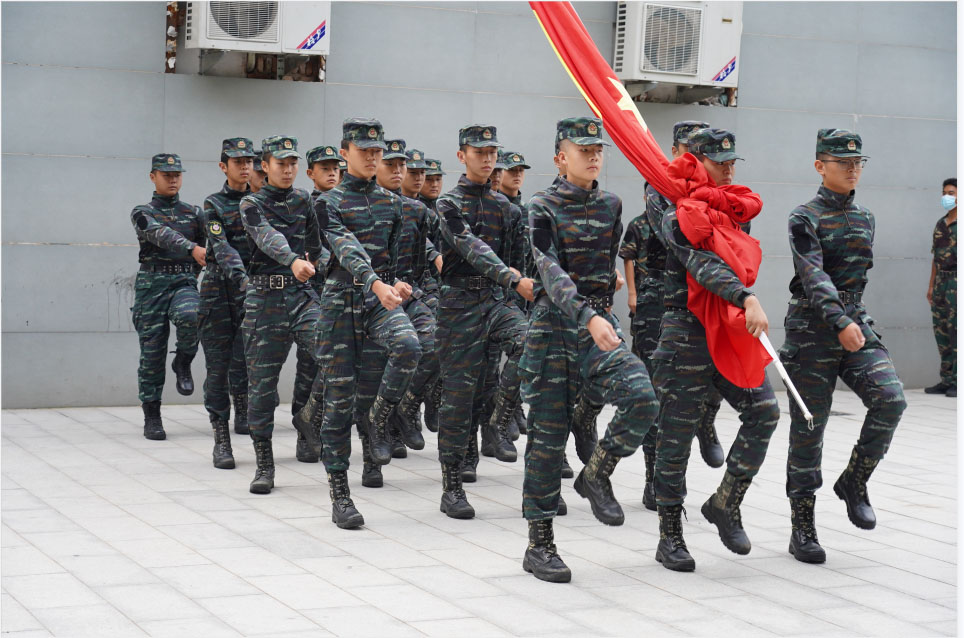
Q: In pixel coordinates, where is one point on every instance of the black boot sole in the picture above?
(676, 566)
(225, 464)
(813, 559)
(862, 524)
(261, 489)
(650, 502)
(155, 436)
(550, 577)
(708, 514)
(242, 429)
(459, 514)
(567, 472)
(399, 453)
(352, 522)
(581, 490)
(469, 476)
(714, 460)
(372, 482)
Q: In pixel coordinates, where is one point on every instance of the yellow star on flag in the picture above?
(626, 103)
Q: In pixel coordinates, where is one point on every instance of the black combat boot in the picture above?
(710, 448)
(495, 433)
(153, 426)
(371, 475)
(454, 502)
(951, 391)
(593, 484)
(343, 512)
(520, 419)
(470, 462)
(406, 420)
(378, 435)
(583, 427)
(241, 413)
(939, 388)
(399, 451)
(566, 468)
(182, 371)
(803, 538)
(562, 509)
(304, 422)
(649, 493)
(433, 400)
(851, 487)
(723, 510)
(541, 559)
(223, 455)
(264, 475)
(671, 551)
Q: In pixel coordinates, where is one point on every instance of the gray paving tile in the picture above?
(256, 614)
(94, 621)
(14, 617)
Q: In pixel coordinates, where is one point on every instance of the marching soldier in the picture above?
(171, 252)
(258, 176)
(830, 335)
(942, 291)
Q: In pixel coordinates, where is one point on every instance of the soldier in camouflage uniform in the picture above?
(683, 369)
(222, 298)
(473, 310)
(278, 307)
(830, 335)
(428, 195)
(574, 346)
(258, 176)
(942, 291)
(171, 252)
(360, 303)
(644, 258)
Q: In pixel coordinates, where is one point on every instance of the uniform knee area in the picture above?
(768, 413)
(406, 351)
(891, 402)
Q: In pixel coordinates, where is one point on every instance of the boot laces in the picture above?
(805, 521)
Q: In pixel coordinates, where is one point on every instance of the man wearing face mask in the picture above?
(942, 291)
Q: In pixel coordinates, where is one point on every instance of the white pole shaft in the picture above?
(765, 340)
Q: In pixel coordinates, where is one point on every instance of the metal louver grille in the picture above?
(671, 39)
(256, 21)
(620, 37)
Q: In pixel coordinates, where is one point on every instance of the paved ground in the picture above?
(107, 534)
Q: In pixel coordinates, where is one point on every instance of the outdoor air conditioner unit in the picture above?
(691, 43)
(259, 27)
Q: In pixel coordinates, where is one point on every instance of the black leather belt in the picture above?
(479, 282)
(676, 308)
(948, 272)
(345, 277)
(600, 303)
(169, 269)
(273, 282)
(846, 297)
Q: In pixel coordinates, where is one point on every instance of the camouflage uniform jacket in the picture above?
(414, 233)
(645, 248)
(322, 266)
(167, 230)
(363, 223)
(522, 251)
(475, 228)
(281, 228)
(945, 245)
(575, 241)
(228, 247)
(656, 206)
(831, 240)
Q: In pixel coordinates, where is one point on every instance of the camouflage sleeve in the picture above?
(224, 253)
(635, 243)
(267, 239)
(479, 254)
(517, 250)
(431, 252)
(313, 244)
(147, 227)
(614, 249)
(808, 262)
(706, 267)
(556, 281)
(393, 241)
(656, 207)
(344, 245)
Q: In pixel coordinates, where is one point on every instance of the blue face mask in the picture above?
(949, 202)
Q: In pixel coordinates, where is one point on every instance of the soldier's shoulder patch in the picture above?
(215, 228)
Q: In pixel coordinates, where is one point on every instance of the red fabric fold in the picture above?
(712, 214)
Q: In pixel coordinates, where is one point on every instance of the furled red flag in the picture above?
(737, 355)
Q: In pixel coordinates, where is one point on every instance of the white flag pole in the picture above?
(765, 340)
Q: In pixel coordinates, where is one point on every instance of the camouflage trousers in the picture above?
(814, 359)
(560, 362)
(944, 316)
(645, 327)
(468, 321)
(306, 369)
(273, 319)
(684, 374)
(219, 324)
(348, 319)
(158, 299)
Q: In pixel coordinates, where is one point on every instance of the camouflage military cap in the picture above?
(682, 130)
(513, 160)
(499, 163)
(343, 165)
(715, 143)
(363, 133)
(237, 147)
(839, 142)
(258, 157)
(479, 136)
(434, 167)
(280, 146)
(167, 163)
(322, 154)
(580, 130)
(396, 149)
(416, 158)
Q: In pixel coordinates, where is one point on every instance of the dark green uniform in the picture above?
(166, 286)
(944, 298)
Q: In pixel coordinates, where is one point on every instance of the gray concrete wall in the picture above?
(85, 105)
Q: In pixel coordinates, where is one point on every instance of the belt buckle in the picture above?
(276, 282)
(355, 281)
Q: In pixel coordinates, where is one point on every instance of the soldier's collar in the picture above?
(164, 200)
(230, 192)
(275, 192)
(472, 188)
(838, 200)
(572, 192)
(358, 184)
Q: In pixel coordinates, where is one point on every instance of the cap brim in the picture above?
(430, 172)
(370, 144)
(324, 158)
(239, 153)
(847, 154)
(416, 164)
(170, 169)
(285, 154)
(722, 157)
(484, 144)
(510, 165)
(500, 166)
(388, 156)
(587, 141)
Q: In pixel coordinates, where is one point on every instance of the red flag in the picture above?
(737, 355)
